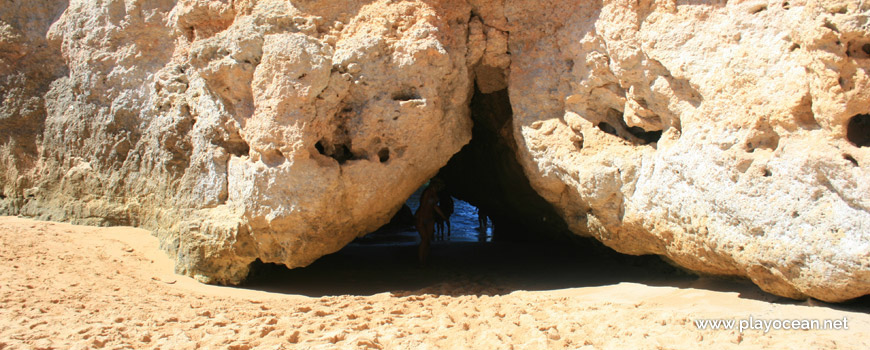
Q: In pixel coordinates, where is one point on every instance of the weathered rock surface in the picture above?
(727, 136)
(237, 130)
(753, 174)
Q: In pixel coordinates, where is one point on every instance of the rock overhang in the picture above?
(726, 137)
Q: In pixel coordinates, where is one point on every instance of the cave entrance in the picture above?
(492, 198)
(464, 225)
(487, 175)
(527, 247)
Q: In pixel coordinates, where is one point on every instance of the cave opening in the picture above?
(858, 130)
(491, 200)
(526, 246)
(487, 175)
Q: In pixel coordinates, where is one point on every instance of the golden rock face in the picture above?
(719, 135)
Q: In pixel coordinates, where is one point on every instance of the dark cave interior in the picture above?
(528, 246)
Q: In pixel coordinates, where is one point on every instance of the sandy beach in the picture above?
(75, 287)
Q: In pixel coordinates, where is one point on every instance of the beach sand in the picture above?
(75, 287)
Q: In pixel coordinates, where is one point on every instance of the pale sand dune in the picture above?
(66, 286)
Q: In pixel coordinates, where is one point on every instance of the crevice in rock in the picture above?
(858, 130)
(850, 159)
(803, 114)
(831, 26)
(646, 136)
(235, 145)
(406, 94)
(238, 149)
(845, 81)
(634, 134)
(859, 48)
(607, 128)
(341, 152)
(486, 174)
(339, 145)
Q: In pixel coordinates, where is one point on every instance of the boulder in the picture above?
(236, 130)
(729, 137)
(712, 133)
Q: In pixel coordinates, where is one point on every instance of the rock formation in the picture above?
(729, 137)
(712, 133)
(236, 130)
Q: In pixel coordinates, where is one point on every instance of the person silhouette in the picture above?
(483, 224)
(425, 217)
(445, 203)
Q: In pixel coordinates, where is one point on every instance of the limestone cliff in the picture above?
(730, 137)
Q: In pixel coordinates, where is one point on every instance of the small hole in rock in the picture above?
(339, 152)
(384, 155)
(766, 172)
(786, 5)
(406, 95)
(858, 130)
(235, 145)
(795, 47)
(239, 149)
(859, 49)
(850, 159)
(607, 128)
(646, 136)
(342, 154)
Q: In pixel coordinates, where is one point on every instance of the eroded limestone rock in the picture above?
(237, 130)
(712, 134)
(725, 136)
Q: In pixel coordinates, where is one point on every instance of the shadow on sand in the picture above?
(490, 268)
(457, 268)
